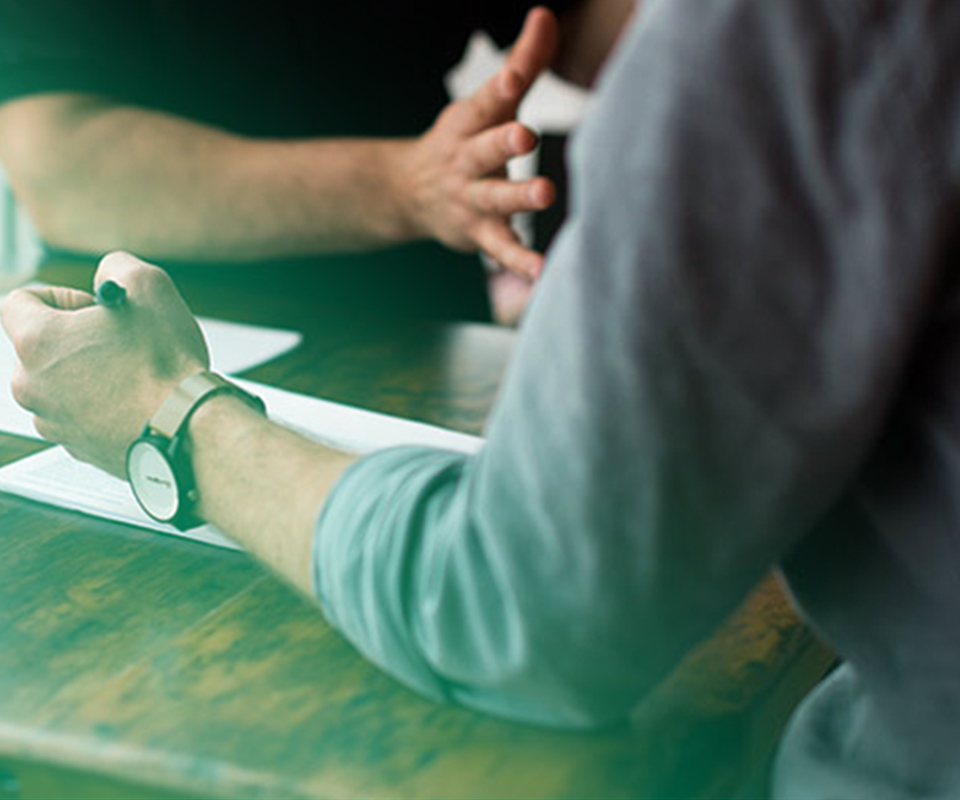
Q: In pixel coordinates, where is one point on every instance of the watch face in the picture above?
(153, 481)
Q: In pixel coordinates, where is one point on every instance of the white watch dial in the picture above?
(153, 481)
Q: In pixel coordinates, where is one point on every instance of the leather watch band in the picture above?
(189, 395)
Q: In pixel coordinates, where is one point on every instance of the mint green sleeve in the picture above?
(707, 364)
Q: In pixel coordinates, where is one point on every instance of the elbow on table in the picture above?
(80, 222)
(53, 177)
(52, 209)
(571, 673)
(565, 673)
(57, 230)
(559, 695)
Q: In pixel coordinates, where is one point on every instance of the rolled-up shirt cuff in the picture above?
(365, 553)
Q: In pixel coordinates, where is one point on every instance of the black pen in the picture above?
(111, 295)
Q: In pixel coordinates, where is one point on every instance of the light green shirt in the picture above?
(745, 352)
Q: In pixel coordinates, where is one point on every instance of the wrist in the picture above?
(159, 392)
(401, 170)
(159, 463)
(219, 421)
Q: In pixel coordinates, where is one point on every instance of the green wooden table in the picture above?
(139, 665)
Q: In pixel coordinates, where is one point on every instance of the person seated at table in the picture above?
(209, 133)
(743, 354)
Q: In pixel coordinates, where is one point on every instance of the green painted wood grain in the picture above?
(147, 665)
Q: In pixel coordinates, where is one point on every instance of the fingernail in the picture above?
(540, 195)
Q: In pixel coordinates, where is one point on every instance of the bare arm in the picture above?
(257, 480)
(282, 478)
(96, 175)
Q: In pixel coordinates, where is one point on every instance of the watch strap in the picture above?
(165, 433)
(189, 395)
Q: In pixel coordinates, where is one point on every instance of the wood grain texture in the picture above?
(133, 664)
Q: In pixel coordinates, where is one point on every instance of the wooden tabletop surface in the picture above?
(140, 665)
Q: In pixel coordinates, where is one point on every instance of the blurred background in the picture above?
(20, 247)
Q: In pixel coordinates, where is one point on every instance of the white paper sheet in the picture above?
(55, 478)
(233, 348)
(354, 430)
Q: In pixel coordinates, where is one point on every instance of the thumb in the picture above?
(126, 271)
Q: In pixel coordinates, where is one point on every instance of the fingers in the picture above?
(24, 314)
(498, 99)
(492, 104)
(535, 48)
(18, 309)
(43, 428)
(490, 150)
(500, 242)
(504, 198)
(20, 389)
(27, 309)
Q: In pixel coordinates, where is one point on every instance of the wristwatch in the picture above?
(158, 463)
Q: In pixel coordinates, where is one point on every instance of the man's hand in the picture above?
(94, 376)
(453, 177)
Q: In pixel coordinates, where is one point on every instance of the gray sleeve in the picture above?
(718, 338)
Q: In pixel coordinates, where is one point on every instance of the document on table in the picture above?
(233, 348)
(55, 478)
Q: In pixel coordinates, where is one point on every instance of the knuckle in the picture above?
(153, 276)
(494, 249)
(464, 161)
(507, 203)
(21, 388)
(484, 103)
(27, 342)
(150, 280)
(44, 428)
(11, 300)
(450, 113)
(475, 197)
(7, 308)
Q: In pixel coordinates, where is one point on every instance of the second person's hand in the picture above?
(453, 178)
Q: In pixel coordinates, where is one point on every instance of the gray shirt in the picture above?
(745, 353)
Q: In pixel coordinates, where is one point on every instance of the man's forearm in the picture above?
(103, 177)
(262, 484)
